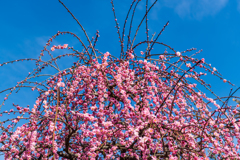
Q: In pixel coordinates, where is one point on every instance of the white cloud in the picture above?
(199, 8)
(196, 9)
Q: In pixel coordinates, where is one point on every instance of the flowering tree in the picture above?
(142, 105)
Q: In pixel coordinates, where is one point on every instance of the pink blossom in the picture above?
(178, 54)
(65, 45)
(61, 84)
(161, 57)
(51, 126)
(188, 65)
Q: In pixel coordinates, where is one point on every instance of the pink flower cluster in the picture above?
(59, 47)
(113, 111)
(129, 108)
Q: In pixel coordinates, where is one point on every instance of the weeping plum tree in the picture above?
(142, 105)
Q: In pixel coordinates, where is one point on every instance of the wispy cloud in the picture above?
(196, 9)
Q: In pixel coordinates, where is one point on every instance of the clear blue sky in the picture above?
(211, 25)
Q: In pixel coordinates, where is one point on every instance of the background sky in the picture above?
(210, 25)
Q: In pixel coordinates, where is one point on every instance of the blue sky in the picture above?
(210, 25)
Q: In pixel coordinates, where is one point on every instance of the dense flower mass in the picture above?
(133, 108)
